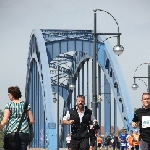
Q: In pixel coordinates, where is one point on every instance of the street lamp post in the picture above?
(118, 50)
(58, 110)
(134, 85)
(148, 78)
(94, 70)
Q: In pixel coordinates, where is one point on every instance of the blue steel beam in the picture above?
(40, 56)
(107, 107)
(120, 93)
(115, 116)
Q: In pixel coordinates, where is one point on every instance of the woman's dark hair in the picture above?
(15, 92)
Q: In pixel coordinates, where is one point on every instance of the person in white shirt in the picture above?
(79, 118)
(68, 140)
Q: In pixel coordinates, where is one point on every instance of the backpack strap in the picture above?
(22, 117)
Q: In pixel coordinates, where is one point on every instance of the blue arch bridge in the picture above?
(56, 60)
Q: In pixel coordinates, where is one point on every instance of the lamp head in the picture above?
(99, 98)
(118, 49)
(54, 100)
(94, 9)
(71, 87)
(134, 86)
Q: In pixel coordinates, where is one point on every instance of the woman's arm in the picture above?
(30, 115)
(5, 118)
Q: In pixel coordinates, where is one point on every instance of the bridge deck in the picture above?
(60, 149)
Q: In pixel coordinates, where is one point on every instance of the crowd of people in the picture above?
(84, 126)
(116, 142)
(84, 134)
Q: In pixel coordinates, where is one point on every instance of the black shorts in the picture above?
(92, 141)
(69, 145)
(77, 144)
(116, 145)
(99, 145)
(108, 143)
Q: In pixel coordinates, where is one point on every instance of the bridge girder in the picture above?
(45, 45)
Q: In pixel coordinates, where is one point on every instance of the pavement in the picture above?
(59, 149)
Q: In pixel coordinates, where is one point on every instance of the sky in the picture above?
(19, 18)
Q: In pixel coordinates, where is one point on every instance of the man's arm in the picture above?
(94, 120)
(135, 120)
(66, 119)
(67, 122)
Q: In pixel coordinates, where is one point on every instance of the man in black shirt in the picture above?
(142, 116)
(79, 118)
(116, 143)
(108, 141)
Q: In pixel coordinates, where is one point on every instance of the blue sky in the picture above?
(19, 18)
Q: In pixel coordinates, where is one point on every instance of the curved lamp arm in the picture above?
(111, 16)
(105, 39)
(144, 83)
(139, 66)
(118, 49)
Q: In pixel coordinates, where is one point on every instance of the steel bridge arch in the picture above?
(38, 83)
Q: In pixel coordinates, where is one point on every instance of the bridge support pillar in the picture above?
(115, 116)
(107, 107)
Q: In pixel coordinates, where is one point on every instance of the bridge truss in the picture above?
(72, 50)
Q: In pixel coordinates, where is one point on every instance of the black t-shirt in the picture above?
(108, 139)
(140, 116)
(115, 139)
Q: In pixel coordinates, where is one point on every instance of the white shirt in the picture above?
(67, 116)
(68, 139)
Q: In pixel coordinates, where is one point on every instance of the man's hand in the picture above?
(70, 122)
(134, 124)
(95, 122)
(119, 139)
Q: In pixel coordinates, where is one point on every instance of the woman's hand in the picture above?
(1, 126)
